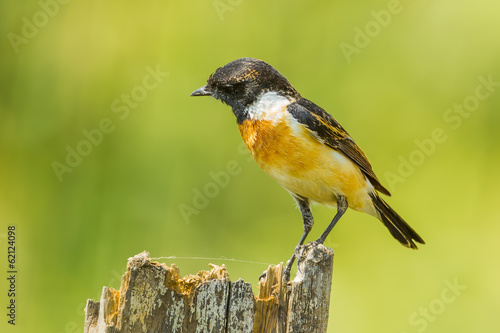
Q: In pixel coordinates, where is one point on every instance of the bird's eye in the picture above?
(229, 88)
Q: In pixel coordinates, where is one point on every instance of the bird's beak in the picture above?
(201, 92)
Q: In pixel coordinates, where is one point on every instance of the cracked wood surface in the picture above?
(153, 297)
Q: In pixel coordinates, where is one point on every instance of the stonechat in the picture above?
(302, 147)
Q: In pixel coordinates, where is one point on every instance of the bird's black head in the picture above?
(242, 81)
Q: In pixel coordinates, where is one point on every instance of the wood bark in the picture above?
(153, 297)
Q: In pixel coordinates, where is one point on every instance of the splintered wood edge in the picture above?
(270, 285)
(271, 305)
(106, 311)
(271, 302)
(173, 279)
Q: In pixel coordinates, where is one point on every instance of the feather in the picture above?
(326, 129)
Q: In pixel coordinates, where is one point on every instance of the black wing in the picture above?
(326, 129)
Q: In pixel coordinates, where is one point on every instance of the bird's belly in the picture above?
(305, 166)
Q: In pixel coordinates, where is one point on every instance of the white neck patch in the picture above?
(268, 106)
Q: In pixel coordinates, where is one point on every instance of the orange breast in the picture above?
(303, 165)
(274, 146)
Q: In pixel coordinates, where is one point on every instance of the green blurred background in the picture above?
(64, 66)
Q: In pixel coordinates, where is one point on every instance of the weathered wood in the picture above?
(154, 298)
(240, 317)
(271, 304)
(310, 295)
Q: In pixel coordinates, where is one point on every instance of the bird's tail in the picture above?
(398, 228)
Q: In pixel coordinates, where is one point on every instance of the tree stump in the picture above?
(153, 297)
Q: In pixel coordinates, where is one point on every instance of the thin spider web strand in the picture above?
(209, 258)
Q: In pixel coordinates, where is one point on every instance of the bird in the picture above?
(303, 148)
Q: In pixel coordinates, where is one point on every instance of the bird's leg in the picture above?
(308, 221)
(341, 209)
